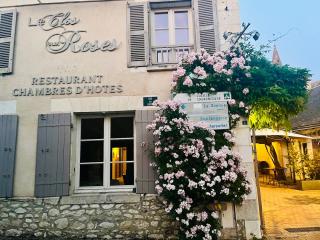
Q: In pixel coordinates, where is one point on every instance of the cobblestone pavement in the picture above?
(287, 208)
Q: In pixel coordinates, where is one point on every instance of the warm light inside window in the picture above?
(119, 165)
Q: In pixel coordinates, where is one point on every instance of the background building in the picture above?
(308, 121)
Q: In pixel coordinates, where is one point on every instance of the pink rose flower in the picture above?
(245, 91)
(187, 81)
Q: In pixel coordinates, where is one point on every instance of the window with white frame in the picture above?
(172, 34)
(106, 152)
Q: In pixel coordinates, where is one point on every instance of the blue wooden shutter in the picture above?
(8, 140)
(206, 25)
(138, 37)
(144, 146)
(7, 32)
(53, 155)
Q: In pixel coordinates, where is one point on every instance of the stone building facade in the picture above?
(76, 81)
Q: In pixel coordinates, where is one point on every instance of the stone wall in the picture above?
(129, 216)
(103, 216)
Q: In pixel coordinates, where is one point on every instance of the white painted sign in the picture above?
(211, 109)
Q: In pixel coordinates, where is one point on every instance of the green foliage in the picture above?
(304, 166)
(276, 92)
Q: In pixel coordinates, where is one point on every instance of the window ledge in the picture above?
(164, 67)
(101, 198)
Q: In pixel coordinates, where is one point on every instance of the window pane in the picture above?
(92, 128)
(91, 175)
(161, 20)
(91, 151)
(181, 19)
(121, 150)
(121, 127)
(121, 174)
(182, 36)
(161, 37)
(163, 56)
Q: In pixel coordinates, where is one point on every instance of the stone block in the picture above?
(16, 222)
(77, 213)
(123, 198)
(106, 225)
(107, 206)
(53, 212)
(13, 233)
(114, 213)
(38, 234)
(64, 207)
(248, 210)
(91, 236)
(94, 206)
(83, 219)
(91, 226)
(75, 207)
(90, 211)
(253, 227)
(44, 216)
(83, 199)
(20, 210)
(62, 223)
(126, 224)
(4, 215)
(44, 224)
(155, 236)
(33, 226)
(56, 233)
(78, 226)
(51, 200)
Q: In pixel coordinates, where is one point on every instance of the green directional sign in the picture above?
(148, 101)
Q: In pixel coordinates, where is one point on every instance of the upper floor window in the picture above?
(171, 35)
(158, 32)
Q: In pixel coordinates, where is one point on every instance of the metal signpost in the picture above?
(211, 109)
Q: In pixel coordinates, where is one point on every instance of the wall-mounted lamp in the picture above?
(256, 35)
(235, 36)
(226, 35)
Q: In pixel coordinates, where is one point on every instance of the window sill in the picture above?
(124, 190)
(96, 198)
(162, 67)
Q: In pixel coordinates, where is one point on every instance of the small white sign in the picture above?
(210, 109)
(203, 97)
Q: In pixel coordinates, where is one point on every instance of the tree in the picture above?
(268, 94)
(278, 92)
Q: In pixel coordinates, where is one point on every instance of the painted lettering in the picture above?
(60, 42)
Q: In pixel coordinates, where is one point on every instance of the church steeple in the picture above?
(275, 56)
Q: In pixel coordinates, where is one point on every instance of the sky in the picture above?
(300, 19)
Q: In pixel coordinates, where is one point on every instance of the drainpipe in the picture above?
(255, 162)
(235, 219)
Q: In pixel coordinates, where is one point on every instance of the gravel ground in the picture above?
(285, 208)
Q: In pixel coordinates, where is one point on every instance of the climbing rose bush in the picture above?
(223, 71)
(196, 168)
(267, 94)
